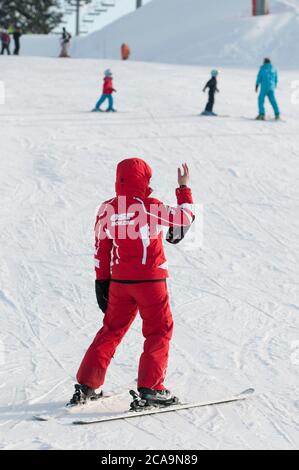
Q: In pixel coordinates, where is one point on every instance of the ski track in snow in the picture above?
(235, 299)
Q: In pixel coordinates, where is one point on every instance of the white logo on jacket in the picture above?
(122, 219)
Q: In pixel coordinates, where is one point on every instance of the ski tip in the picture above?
(40, 418)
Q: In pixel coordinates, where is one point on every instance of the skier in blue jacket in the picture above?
(267, 80)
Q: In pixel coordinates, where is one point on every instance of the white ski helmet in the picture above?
(214, 73)
(108, 73)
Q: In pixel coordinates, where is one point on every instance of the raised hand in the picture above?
(183, 177)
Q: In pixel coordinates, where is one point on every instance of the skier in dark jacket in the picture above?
(17, 33)
(212, 86)
(65, 43)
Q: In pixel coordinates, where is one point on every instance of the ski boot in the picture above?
(83, 394)
(148, 398)
(209, 113)
(277, 117)
(260, 117)
(96, 110)
(112, 110)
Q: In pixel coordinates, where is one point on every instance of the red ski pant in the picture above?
(151, 299)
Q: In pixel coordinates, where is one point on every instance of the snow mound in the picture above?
(192, 32)
(200, 32)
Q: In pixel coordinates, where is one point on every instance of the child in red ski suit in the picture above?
(131, 272)
(107, 93)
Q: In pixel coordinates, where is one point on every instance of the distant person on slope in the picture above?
(212, 86)
(5, 40)
(125, 51)
(16, 34)
(65, 43)
(267, 80)
(107, 93)
(131, 272)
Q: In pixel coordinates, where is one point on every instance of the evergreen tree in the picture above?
(33, 16)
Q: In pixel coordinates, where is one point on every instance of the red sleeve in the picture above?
(180, 216)
(103, 246)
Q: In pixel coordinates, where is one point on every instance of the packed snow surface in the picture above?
(234, 298)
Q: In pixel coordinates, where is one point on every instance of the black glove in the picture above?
(102, 292)
(176, 234)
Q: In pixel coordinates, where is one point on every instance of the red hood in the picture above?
(133, 177)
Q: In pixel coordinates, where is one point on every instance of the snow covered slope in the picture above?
(210, 33)
(235, 300)
(201, 32)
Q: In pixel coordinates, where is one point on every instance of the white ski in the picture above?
(181, 406)
(65, 411)
(280, 120)
(216, 115)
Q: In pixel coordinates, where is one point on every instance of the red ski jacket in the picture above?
(108, 86)
(128, 229)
